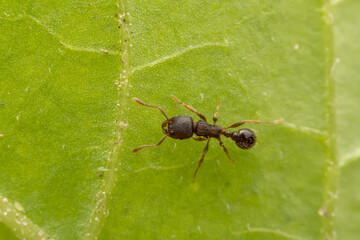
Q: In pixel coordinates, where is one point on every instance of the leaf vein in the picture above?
(266, 230)
(12, 215)
(349, 158)
(156, 168)
(60, 38)
(305, 129)
(177, 54)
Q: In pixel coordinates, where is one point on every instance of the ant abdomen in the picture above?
(244, 138)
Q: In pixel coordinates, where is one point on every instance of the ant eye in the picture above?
(244, 138)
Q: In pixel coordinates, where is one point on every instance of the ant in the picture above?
(183, 127)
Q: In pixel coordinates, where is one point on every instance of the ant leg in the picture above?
(234, 125)
(202, 158)
(147, 146)
(200, 139)
(190, 108)
(225, 150)
(216, 114)
(147, 105)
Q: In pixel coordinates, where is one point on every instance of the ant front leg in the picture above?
(190, 108)
(234, 125)
(200, 139)
(147, 146)
(216, 114)
(202, 159)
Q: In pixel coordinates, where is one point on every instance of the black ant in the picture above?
(183, 127)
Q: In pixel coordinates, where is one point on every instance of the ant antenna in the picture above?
(190, 108)
(147, 105)
(147, 146)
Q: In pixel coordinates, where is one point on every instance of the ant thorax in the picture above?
(202, 128)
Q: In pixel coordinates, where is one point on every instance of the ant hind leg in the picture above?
(234, 125)
(225, 150)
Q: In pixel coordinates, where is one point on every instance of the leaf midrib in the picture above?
(101, 210)
(331, 166)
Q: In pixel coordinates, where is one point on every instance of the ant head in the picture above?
(244, 138)
(180, 127)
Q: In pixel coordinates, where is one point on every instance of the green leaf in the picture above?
(68, 126)
(347, 79)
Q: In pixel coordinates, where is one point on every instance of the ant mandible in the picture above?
(183, 127)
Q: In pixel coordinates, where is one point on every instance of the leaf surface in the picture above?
(68, 126)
